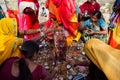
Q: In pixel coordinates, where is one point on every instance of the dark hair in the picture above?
(98, 14)
(28, 49)
(31, 13)
(28, 11)
(43, 8)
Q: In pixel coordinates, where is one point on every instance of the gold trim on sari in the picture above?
(9, 42)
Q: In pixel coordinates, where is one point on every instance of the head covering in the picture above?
(9, 42)
(25, 4)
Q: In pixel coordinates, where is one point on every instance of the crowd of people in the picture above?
(20, 35)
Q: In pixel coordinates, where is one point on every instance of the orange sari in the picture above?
(64, 11)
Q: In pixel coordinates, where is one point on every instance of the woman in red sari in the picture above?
(30, 21)
(89, 7)
(22, 4)
(34, 1)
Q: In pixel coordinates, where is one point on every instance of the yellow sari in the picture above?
(105, 57)
(9, 42)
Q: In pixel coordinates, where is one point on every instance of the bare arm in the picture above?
(103, 31)
(32, 31)
(82, 63)
(37, 38)
(77, 62)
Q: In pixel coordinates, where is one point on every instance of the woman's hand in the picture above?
(91, 31)
(47, 30)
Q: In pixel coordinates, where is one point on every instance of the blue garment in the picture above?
(77, 9)
(78, 77)
(101, 23)
(116, 3)
(1, 16)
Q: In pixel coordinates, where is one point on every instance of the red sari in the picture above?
(30, 22)
(89, 7)
(67, 9)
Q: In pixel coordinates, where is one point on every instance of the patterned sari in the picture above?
(9, 42)
(96, 28)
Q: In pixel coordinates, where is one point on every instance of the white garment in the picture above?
(25, 4)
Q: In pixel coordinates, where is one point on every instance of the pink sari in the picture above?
(30, 23)
(35, 2)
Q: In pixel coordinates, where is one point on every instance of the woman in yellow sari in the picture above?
(104, 57)
(9, 40)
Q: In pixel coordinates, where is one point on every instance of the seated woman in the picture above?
(30, 21)
(24, 68)
(28, 8)
(10, 39)
(88, 7)
(104, 57)
(29, 3)
(95, 27)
